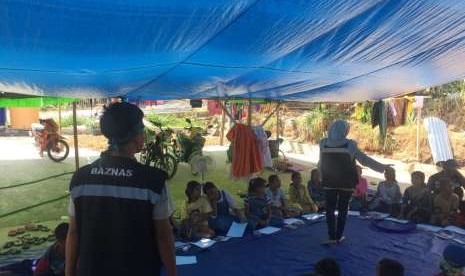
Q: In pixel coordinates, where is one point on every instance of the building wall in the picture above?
(22, 118)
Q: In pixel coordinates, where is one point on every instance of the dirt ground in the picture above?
(404, 147)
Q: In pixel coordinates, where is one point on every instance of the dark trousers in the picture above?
(336, 200)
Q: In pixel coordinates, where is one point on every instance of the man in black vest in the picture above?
(119, 209)
(339, 175)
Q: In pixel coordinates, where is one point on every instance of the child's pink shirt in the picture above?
(362, 187)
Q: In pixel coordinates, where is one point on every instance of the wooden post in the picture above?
(418, 132)
(271, 114)
(59, 118)
(225, 110)
(277, 126)
(249, 115)
(223, 119)
(75, 134)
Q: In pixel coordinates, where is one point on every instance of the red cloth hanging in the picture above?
(246, 158)
(214, 108)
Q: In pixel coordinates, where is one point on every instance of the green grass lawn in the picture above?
(14, 172)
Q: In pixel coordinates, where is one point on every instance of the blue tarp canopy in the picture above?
(314, 50)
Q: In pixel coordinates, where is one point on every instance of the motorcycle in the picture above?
(187, 145)
(47, 139)
(157, 150)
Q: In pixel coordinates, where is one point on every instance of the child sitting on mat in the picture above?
(388, 196)
(299, 199)
(258, 206)
(327, 267)
(316, 190)
(359, 197)
(53, 262)
(195, 213)
(277, 197)
(224, 208)
(389, 267)
(417, 201)
(445, 204)
(453, 261)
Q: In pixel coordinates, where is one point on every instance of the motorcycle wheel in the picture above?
(167, 163)
(58, 151)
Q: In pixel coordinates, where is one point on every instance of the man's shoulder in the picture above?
(152, 171)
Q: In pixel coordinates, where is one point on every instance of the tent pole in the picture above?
(76, 146)
(418, 133)
(277, 125)
(271, 114)
(59, 118)
(249, 115)
(225, 110)
(223, 119)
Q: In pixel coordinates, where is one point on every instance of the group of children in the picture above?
(265, 204)
(438, 203)
(442, 206)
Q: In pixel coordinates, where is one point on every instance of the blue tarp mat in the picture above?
(294, 252)
(314, 50)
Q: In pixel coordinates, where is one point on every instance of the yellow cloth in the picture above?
(201, 205)
(300, 199)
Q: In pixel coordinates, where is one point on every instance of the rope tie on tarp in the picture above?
(35, 181)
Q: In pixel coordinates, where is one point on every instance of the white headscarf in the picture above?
(337, 134)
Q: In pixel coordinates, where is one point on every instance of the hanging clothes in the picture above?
(244, 111)
(263, 146)
(391, 113)
(399, 111)
(214, 108)
(234, 111)
(379, 118)
(246, 158)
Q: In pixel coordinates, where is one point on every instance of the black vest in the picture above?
(337, 167)
(114, 200)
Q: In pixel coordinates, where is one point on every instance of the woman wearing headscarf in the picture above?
(338, 156)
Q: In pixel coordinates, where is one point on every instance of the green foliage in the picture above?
(172, 121)
(316, 123)
(67, 121)
(362, 112)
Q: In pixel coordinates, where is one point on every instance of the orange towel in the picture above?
(246, 158)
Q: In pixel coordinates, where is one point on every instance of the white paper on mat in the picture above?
(403, 221)
(236, 230)
(186, 260)
(428, 227)
(314, 216)
(354, 213)
(269, 230)
(222, 238)
(204, 243)
(179, 244)
(455, 229)
(293, 221)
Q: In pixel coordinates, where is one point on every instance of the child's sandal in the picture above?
(8, 245)
(21, 231)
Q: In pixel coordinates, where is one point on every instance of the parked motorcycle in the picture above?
(187, 145)
(157, 151)
(47, 139)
